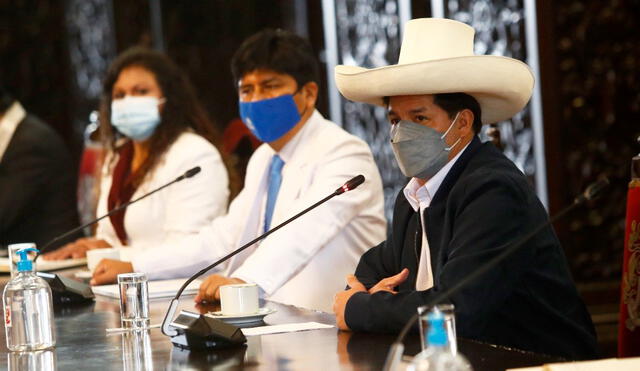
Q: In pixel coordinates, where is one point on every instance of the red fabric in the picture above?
(90, 161)
(235, 131)
(121, 190)
(88, 176)
(629, 326)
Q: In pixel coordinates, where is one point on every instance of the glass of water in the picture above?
(134, 300)
(447, 311)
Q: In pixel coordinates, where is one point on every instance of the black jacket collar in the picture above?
(456, 170)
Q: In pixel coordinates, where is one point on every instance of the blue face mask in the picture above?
(136, 117)
(270, 119)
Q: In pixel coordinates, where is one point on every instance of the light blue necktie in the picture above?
(275, 178)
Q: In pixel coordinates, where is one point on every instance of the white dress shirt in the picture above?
(304, 263)
(8, 125)
(177, 211)
(419, 198)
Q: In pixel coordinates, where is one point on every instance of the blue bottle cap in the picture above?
(24, 264)
(436, 334)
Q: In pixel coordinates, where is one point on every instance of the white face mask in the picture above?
(420, 150)
(136, 117)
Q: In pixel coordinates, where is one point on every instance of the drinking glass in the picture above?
(134, 300)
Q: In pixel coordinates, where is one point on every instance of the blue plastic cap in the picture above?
(24, 264)
(436, 334)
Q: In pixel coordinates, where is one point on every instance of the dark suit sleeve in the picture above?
(36, 181)
(23, 177)
(382, 261)
(488, 214)
(375, 265)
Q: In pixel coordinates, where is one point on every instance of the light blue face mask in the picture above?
(136, 117)
(420, 150)
(270, 119)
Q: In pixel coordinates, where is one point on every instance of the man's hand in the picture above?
(107, 271)
(387, 284)
(210, 288)
(77, 249)
(341, 299)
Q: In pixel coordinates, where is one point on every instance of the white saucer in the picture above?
(83, 274)
(243, 318)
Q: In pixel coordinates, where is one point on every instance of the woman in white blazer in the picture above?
(154, 129)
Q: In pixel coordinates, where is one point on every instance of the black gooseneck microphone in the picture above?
(397, 348)
(67, 291)
(196, 331)
(188, 174)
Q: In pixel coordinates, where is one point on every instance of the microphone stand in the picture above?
(178, 329)
(188, 174)
(68, 291)
(397, 348)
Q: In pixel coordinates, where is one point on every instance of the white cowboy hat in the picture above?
(436, 57)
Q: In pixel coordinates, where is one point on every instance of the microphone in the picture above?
(593, 190)
(352, 184)
(188, 174)
(196, 331)
(397, 348)
(68, 291)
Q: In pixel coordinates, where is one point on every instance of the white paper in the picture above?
(614, 364)
(157, 289)
(289, 327)
(626, 364)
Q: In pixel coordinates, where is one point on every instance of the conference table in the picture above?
(84, 344)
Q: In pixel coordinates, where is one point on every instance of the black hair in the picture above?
(277, 50)
(453, 103)
(182, 109)
(6, 100)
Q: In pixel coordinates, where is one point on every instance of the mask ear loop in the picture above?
(447, 132)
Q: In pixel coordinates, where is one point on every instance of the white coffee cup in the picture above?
(239, 299)
(96, 255)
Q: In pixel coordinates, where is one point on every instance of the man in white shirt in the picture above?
(304, 158)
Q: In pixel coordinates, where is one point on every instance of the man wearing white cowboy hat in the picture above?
(464, 205)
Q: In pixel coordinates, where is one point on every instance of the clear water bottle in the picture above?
(28, 309)
(437, 356)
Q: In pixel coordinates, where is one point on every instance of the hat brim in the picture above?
(502, 86)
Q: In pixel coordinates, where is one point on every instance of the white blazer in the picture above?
(305, 262)
(177, 211)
